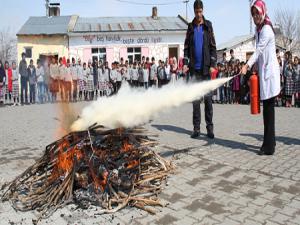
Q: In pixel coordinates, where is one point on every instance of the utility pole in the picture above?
(186, 9)
(251, 23)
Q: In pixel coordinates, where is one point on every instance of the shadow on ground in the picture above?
(232, 144)
(284, 140)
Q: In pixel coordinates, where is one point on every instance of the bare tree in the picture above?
(288, 22)
(8, 45)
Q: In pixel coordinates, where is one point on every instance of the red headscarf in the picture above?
(260, 5)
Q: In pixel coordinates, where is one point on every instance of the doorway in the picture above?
(173, 52)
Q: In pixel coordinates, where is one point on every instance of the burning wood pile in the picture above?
(107, 168)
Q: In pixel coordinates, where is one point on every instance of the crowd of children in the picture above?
(71, 81)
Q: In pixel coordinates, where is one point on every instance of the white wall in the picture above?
(157, 44)
(240, 50)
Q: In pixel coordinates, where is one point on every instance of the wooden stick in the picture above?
(142, 206)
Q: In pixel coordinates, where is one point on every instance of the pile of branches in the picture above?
(111, 169)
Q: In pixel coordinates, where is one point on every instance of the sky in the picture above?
(230, 18)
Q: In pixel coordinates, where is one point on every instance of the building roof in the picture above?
(123, 24)
(234, 42)
(44, 25)
(74, 24)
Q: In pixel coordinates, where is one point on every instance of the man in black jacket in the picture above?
(200, 56)
(24, 79)
(95, 76)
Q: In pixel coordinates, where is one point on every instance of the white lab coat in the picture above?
(268, 66)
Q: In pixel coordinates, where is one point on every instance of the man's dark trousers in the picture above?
(198, 76)
(24, 88)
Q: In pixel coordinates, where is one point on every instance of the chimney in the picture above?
(47, 8)
(154, 13)
(54, 9)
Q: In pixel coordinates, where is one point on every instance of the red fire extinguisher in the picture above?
(254, 94)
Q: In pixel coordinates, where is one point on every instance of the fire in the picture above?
(132, 164)
(67, 154)
(97, 164)
(100, 181)
(66, 157)
(126, 147)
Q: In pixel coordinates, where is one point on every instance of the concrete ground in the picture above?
(221, 181)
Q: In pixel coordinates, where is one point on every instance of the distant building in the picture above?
(244, 46)
(43, 37)
(102, 38)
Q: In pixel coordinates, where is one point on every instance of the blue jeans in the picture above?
(47, 93)
(32, 93)
(146, 85)
(229, 95)
(41, 91)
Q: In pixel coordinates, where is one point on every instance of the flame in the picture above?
(126, 146)
(132, 164)
(65, 159)
(101, 181)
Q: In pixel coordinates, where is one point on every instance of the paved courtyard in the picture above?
(222, 181)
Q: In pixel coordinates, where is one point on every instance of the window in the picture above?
(134, 54)
(99, 54)
(28, 52)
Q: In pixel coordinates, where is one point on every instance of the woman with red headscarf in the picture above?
(268, 70)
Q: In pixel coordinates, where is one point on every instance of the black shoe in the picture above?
(269, 153)
(195, 134)
(210, 135)
(210, 132)
(263, 151)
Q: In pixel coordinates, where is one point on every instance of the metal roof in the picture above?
(123, 24)
(235, 41)
(44, 25)
(74, 24)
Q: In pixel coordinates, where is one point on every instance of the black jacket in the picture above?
(23, 68)
(209, 47)
(32, 76)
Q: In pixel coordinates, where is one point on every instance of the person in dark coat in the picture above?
(2, 83)
(24, 79)
(95, 68)
(200, 59)
(32, 81)
(296, 78)
(289, 83)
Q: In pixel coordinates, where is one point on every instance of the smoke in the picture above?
(66, 117)
(133, 107)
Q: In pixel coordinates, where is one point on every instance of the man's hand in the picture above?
(244, 69)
